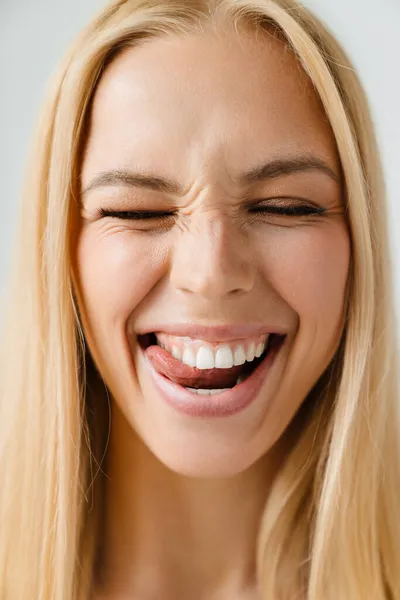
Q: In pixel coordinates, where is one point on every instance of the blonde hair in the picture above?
(330, 528)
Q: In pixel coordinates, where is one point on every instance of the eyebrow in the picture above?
(270, 170)
(278, 168)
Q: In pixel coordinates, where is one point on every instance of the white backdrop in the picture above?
(35, 33)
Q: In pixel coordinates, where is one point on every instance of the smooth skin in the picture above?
(184, 495)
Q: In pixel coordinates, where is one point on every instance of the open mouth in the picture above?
(202, 380)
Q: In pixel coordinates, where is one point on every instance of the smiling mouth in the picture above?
(217, 379)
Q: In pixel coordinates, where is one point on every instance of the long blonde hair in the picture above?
(330, 528)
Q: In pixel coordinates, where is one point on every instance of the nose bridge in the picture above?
(212, 230)
(211, 257)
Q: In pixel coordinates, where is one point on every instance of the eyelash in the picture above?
(287, 211)
(290, 211)
(137, 215)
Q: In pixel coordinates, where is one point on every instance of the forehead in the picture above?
(204, 100)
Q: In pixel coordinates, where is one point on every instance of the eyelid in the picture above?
(287, 205)
(278, 206)
(140, 215)
(286, 208)
(283, 201)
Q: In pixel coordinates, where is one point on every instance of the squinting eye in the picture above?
(289, 210)
(135, 215)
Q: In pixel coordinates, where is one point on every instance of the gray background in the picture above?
(35, 33)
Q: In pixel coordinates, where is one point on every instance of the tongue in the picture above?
(165, 364)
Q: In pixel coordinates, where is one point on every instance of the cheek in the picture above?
(116, 272)
(309, 268)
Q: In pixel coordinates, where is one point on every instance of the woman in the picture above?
(200, 374)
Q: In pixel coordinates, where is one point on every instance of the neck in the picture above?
(166, 534)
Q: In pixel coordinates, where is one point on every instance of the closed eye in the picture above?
(135, 215)
(285, 210)
(274, 210)
(288, 210)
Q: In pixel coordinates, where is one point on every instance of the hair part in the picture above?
(330, 528)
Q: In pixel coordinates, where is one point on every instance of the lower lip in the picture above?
(219, 405)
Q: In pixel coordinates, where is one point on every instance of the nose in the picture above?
(212, 259)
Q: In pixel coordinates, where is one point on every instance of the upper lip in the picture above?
(214, 333)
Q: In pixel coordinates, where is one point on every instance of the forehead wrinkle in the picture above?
(208, 197)
(209, 217)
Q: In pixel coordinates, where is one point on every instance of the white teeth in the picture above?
(223, 358)
(176, 352)
(204, 392)
(260, 349)
(189, 357)
(205, 358)
(251, 351)
(239, 357)
(213, 392)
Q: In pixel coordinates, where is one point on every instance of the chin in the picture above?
(201, 450)
(204, 461)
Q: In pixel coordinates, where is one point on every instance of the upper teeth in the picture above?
(200, 354)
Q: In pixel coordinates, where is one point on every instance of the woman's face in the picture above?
(214, 136)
